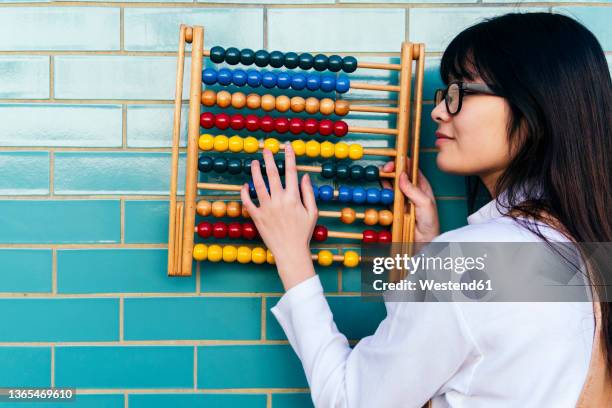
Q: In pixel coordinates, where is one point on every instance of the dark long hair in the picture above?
(553, 73)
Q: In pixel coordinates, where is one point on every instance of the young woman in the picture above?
(526, 111)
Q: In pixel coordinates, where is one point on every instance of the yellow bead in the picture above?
(351, 259)
(221, 143)
(251, 145)
(230, 253)
(258, 255)
(206, 142)
(224, 99)
(203, 208)
(299, 147)
(325, 258)
(244, 255)
(313, 148)
(200, 252)
(215, 253)
(283, 103)
(269, 257)
(355, 151)
(235, 144)
(327, 149)
(341, 150)
(272, 145)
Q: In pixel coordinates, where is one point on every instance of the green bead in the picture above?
(234, 166)
(371, 173)
(334, 63)
(306, 60)
(291, 60)
(357, 172)
(280, 166)
(320, 62)
(217, 54)
(220, 165)
(277, 59)
(232, 55)
(247, 56)
(246, 166)
(342, 172)
(328, 170)
(349, 64)
(262, 58)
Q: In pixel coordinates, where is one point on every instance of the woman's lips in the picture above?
(441, 138)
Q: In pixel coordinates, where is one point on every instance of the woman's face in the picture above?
(474, 141)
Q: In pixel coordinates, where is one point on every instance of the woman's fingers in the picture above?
(273, 177)
(247, 202)
(258, 182)
(388, 167)
(291, 177)
(308, 197)
(414, 193)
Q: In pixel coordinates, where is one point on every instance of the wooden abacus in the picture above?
(181, 249)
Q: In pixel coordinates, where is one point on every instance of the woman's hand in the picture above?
(427, 222)
(284, 223)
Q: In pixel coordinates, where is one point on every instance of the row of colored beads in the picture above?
(266, 123)
(281, 80)
(221, 230)
(281, 103)
(278, 59)
(320, 234)
(346, 194)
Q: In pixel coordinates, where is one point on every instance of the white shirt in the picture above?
(459, 354)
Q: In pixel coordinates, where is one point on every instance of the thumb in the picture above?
(414, 193)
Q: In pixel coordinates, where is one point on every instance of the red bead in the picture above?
(249, 231)
(384, 237)
(369, 236)
(340, 128)
(207, 120)
(219, 229)
(234, 230)
(296, 126)
(311, 126)
(319, 233)
(222, 121)
(267, 123)
(326, 127)
(281, 125)
(205, 229)
(237, 122)
(252, 123)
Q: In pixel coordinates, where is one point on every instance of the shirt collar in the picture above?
(497, 207)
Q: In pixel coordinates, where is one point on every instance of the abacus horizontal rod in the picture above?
(374, 109)
(336, 258)
(219, 186)
(375, 131)
(379, 65)
(345, 235)
(374, 87)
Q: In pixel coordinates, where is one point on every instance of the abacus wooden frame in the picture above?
(182, 213)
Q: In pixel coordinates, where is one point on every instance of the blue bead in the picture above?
(239, 77)
(209, 76)
(268, 79)
(386, 196)
(315, 190)
(253, 78)
(343, 83)
(298, 82)
(313, 82)
(373, 195)
(326, 193)
(283, 81)
(224, 76)
(252, 191)
(359, 195)
(328, 83)
(345, 194)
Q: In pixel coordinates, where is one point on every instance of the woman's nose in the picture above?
(439, 114)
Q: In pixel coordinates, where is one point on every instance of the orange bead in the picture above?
(347, 215)
(209, 97)
(371, 217)
(219, 209)
(283, 103)
(238, 100)
(253, 101)
(298, 104)
(203, 208)
(326, 106)
(233, 209)
(342, 107)
(385, 217)
(312, 105)
(245, 213)
(268, 102)
(224, 99)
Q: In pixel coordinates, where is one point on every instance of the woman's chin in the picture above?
(451, 164)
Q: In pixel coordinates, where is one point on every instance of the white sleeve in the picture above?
(415, 350)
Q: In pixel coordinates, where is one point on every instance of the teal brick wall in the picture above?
(86, 93)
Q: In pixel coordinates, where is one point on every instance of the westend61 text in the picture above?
(432, 285)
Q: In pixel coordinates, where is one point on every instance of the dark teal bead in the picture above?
(306, 60)
(372, 173)
(205, 164)
(291, 60)
(234, 166)
(334, 63)
(246, 166)
(280, 166)
(357, 172)
(349, 64)
(342, 171)
(277, 59)
(262, 58)
(247, 56)
(220, 165)
(320, 62)
(262, 167)
(232, 55)
(328, 169)
(217, 54)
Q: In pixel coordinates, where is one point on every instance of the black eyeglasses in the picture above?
(453, 94)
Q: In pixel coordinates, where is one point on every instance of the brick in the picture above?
(25, 77)
(151, 125)
(25, 366)
(197, 400)
(24, 173)
(25, 270)
(146, 221)
(452, 213)
(292, 400)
